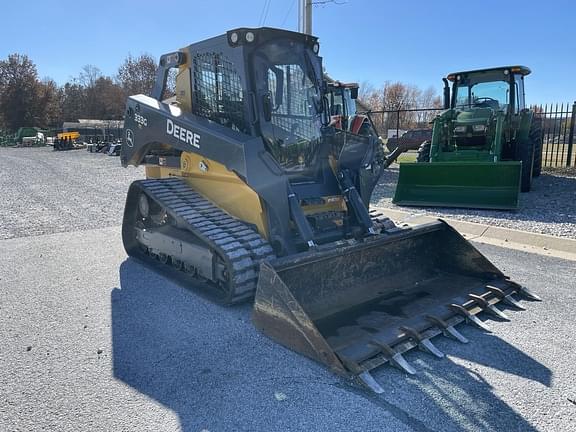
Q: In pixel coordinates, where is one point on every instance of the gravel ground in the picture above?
(550, 208)
(88, 190)
(44, 191)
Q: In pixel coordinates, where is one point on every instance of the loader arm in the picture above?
(150, 123)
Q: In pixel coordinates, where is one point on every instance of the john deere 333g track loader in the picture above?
(485, 147)
(250, 192)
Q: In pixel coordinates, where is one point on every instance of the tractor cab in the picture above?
(483, 147)
(500, 89)
(342, 101)
(342, 98)
(483, 105)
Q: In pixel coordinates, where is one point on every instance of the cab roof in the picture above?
(522, 70)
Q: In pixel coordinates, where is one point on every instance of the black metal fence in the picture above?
(558, 134)
(558, 128)
(393, 123)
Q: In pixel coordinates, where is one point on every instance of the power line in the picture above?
(264, 13)
(288, 13)
(267, 10)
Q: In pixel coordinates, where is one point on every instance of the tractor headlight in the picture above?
(479, 128)
(460, 129)
(250, 37)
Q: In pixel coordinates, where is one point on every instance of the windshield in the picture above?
(350, 103)
(341, 102)
(493, 94)
(292, 102)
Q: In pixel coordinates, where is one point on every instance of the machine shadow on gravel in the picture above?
(205, 362)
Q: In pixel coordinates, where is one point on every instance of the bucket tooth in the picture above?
(496, 312)
(450, 331)
(395, 358)
(470, 318)
(490, 308)
(424, 344)
(369, 381)
(400, 362)
(523, 291)
(511, 301)
(506, 299)
(365, 376)
(526, 293)
(447, 330)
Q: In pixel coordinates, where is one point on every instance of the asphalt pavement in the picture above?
(96, 341)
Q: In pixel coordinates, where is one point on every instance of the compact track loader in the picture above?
(251, 192)
(485, 147)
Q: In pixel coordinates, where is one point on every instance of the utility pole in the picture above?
(305, 16)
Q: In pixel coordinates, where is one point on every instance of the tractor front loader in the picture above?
(485, 146)
(252, 193)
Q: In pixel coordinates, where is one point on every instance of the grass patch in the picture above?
(407, 157)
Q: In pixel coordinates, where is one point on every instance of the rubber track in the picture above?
(239, 245)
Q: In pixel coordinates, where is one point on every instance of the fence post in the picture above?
(397, 124)
(571, 135)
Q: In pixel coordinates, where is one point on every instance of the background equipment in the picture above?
(485, 147)
(68, 141)
(24, 137)
(252, 191)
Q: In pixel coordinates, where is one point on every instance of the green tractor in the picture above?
(485, 146)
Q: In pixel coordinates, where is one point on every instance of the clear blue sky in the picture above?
(415, 42)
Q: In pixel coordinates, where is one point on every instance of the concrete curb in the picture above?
(506, 237)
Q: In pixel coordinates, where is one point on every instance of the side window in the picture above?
(463, 95)
(218, 93)
(519, 83)
(292, 111)
(296, 84)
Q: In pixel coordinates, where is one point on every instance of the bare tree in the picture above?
(365, 90)
(428, 99)
(397, 100)
(137, 74)
(93, 96)
(89, 75)
(87, 79)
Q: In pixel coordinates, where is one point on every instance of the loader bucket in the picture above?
(363, 304)
(493, 185)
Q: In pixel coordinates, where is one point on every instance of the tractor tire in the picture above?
(536, 138)
(424, 152)
(526, 155)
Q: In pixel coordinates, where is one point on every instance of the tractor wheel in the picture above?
(424, 152)
(526, 155)
(536, 138)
